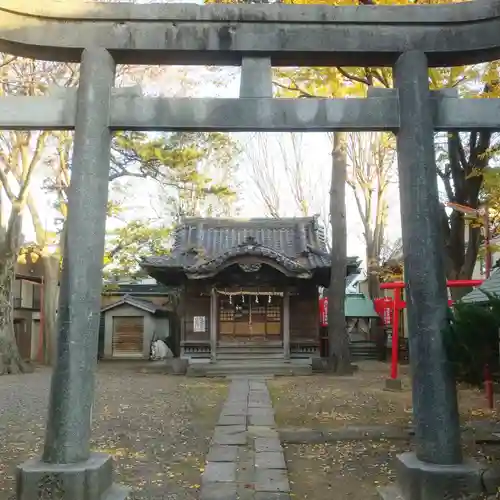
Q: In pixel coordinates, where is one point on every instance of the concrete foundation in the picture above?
(88, 480)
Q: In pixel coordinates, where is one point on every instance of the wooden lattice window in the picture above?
(273, 313)
(226, 310)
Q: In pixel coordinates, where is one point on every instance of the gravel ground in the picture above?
(326, 402)
(156, 427)
(352, 470)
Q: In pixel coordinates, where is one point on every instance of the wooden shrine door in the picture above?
(250, 318)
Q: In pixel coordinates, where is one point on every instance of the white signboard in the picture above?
(200, 324)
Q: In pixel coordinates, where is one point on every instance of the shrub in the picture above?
(471, 339)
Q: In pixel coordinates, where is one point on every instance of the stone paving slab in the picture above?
(230, 429)
(219, 472)
(234, 410)
(218, 491)
(245, 474)
(271, 496)
(230, 439)
(232, 420)
(257, 384)
(259, 395)
(221, 453)
(270, 460)
(262, 431)
(245, 460)
(262, 420)
(261, 412)
(259, 404)
(271, 480)
(267, 444)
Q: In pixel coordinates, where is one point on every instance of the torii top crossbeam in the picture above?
(291, 35)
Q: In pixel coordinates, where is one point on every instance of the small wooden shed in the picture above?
(131, 325)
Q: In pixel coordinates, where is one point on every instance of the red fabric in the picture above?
(384, 308)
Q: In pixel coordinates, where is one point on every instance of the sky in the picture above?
(315, 151)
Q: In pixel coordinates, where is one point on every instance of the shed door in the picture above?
(23, 338)
(128, 333)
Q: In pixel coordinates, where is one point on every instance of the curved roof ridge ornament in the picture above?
(450, 35)
(250, 249)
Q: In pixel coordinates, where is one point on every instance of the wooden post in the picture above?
(395, 333)
(286, 324)
(213, 325)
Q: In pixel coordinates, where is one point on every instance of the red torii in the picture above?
(398, 304)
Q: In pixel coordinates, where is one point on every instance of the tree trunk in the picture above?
(49, 307)
(338, 338)
(372, 272)
(10, 359)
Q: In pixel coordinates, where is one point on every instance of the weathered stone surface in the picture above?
(232, 420)
(262, 431)
(90, 479)
(271, 480)
(245, 475)
(260, 404)
(72, 387)
(390, 492)
(491, 479)
(420, 480)
(258, 462)
(393, 384)
(234, 410)
(435, 408)
(376, 113)
(263, 412)
(230, 429)
(239, 438)
(219, 472)
(259, 401)
(270, 460)
(267, 444)
(255, 114)
(218, 491)
(205, 35)
(257, 385)
(271, 496)
(220, 453)
(256, 78)
(301, 436)
(262, 420)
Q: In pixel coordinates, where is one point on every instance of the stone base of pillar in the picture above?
(89, 480)
(419, 480)
(393, 384)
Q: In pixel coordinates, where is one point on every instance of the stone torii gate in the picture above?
(257, 37)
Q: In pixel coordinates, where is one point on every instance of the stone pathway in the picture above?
(245, 460)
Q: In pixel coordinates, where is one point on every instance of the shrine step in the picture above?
(242, 352)
(248, 367)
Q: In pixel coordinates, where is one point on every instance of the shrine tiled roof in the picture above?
(490, 286)
(299, 244)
